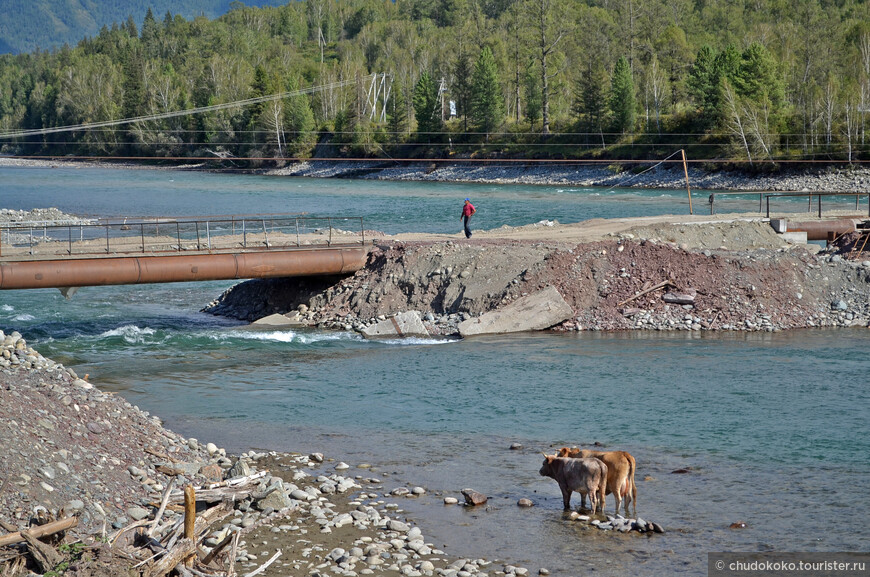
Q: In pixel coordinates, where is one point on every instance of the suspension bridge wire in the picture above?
(177, 113)
(632, 177)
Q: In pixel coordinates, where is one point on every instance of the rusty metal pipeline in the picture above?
(180, 268)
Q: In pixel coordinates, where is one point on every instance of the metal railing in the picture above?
(168, 235)
(766, 196)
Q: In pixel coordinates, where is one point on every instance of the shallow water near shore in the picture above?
(771, 427)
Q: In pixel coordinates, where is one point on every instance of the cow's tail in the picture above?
(632, 466)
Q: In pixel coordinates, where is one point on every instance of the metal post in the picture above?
(108, 250)
(265, 233)
(207, 236)
(760, 194)
(69, 231)
(31, 240)
(244, 235)
(142, 230)
(768, 207)
(362, 232)
(329, 222)
(198, 245)
(178, 234)
(820, 206)
(297, 231)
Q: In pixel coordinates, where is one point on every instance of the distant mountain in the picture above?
(26, 25)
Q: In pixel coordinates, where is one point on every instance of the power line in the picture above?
(176, 113)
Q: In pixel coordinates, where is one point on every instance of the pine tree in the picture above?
(300, 123)
(397, 115)
(426, 106)
(487, 107)
(590, 105)
(622, 103)
(462, 86)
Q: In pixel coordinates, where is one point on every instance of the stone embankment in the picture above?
(737, 276)
(70, 449)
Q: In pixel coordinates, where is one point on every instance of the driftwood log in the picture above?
(44, 555)
(235, 489)
(41, 531)
(175, 556)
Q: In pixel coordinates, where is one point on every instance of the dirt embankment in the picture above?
(743, 275)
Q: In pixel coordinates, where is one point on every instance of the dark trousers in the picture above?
(467, 229)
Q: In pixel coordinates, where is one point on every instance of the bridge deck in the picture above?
(176, 250)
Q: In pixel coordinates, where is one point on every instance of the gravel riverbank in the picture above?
(70, 449)
(574, 174)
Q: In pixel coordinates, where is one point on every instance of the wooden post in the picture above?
(688, 190)
(190, 519)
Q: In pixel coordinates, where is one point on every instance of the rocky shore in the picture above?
(669, 175)
(70, 449)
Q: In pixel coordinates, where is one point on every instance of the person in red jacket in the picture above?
(467, 211)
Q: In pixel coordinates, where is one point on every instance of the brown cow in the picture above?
(586, 476)
(621, 467)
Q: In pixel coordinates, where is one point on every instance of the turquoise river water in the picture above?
(771, 427)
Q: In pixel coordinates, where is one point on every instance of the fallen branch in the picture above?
(264, 566)
(130, 527)
(41, 531)
(653, 288)
(162, 508)
(218, 548)
(231, 570)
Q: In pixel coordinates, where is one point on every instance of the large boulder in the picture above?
(534, 312)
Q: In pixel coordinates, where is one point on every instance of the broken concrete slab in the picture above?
(293, 319)
(408, 324)
(534, 312)
(686, 297)
(795, 237)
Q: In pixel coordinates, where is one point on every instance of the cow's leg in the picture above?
(617, 495)
(601, 496)
(566, 497)
(582, 500)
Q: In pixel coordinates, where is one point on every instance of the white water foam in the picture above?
(415, 341)
(23, 317)
(283, 336)
(130, 333)
(7, 308)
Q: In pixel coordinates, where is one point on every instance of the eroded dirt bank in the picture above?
(742, 274)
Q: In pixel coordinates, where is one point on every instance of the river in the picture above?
(770, 427)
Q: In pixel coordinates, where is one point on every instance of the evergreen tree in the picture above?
(532, 94)
(259, 88)
(487, 106)
(150, 33)
(397, 115)
(462, 87)
(622, 102)
(427, 106)
(590, 105)
(703, 80)
(757, 78)
(300, 123)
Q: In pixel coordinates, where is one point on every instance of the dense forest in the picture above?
(28, 25)
(760, 82)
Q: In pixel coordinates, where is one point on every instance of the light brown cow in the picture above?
(621, 467)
